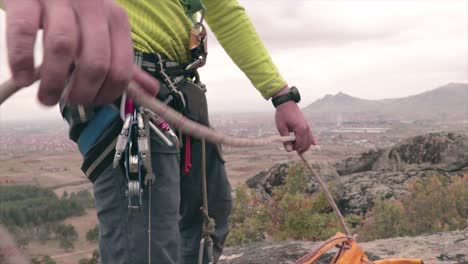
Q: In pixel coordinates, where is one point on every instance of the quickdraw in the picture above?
(198, 44)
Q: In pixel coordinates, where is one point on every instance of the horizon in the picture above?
(220, 114)
(369, 50)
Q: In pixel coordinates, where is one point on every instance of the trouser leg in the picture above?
(123, 235)
(219, 203)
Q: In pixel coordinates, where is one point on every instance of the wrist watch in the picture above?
(292, 95)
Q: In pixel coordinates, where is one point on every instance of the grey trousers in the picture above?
(175, 214)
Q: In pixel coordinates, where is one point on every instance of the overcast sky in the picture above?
(368, 49)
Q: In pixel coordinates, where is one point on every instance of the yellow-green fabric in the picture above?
(163, 26)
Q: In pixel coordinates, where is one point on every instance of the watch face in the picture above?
(295, 94)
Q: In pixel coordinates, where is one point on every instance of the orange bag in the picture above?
(349, 253)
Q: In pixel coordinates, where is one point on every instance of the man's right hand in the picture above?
(289, 118)
(94, 35)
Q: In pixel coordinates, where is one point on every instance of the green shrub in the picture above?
(431, 205)
(83, 197)
(245, 219)
(290, 213)
(93, 260)
(23, 192)
(25, 206)
(93, 234)
(298, 218)
(387, 221)
(42, 259)
(66, 235)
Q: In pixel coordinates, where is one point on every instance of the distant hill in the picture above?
(449, 102)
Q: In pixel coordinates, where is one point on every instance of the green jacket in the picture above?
(163, 26)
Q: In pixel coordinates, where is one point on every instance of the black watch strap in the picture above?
(292, 95)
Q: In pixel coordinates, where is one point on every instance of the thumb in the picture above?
(284, 131)
(145, 81)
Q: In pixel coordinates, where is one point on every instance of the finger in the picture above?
(284, 131)
(146, 81)
(120, 72)
(309, 140)
(23, 19)
(60, 45)
(94, 58)
(313, 140)
(302, 137)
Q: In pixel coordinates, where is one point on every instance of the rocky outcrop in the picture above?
(266, 180)
(446, 152)
(441, 248)
(358, 181)
(358, 164)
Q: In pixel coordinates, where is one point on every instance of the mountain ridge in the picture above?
(448, 102)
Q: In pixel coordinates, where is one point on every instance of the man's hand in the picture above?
(94, 35)
(289, 118)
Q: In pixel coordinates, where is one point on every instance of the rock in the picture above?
(266, 252)
(419, 157)
(358, 164)
(440, 248)
(276, 175)
(435, 151)
(358, 181)
(267, 179)
(359, 190)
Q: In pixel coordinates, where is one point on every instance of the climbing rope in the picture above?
(208, 222)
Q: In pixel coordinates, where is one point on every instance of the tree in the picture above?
(63, 231)
(42, 259)
(93, 234)
(93, 260)
(66, 234)
(66, 244)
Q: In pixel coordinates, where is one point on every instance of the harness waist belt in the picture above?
(96, 127)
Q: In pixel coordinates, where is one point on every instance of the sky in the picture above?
(368, 49)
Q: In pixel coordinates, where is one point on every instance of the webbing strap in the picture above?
(96, 127)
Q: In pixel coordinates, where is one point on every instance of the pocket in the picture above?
(219, 152)
(157, 145)
(109, 192)
(219, 180)
(196, 105)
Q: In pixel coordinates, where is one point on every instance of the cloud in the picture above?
(286, 23)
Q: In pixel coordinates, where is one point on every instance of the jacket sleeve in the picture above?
(236, 33)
